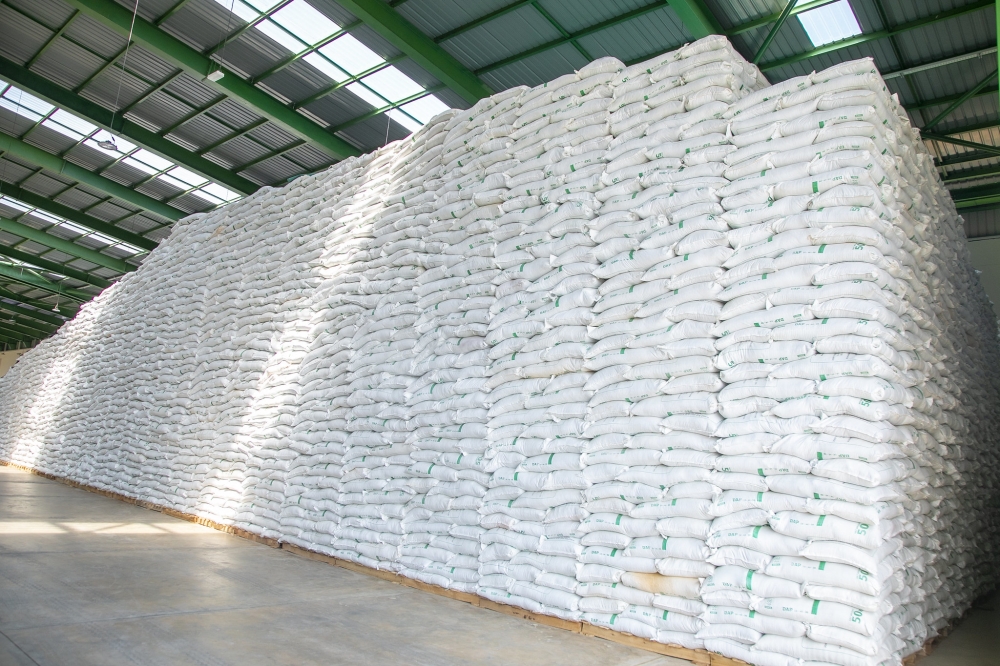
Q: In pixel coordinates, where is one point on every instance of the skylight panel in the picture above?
(179, 184)
(830, 23)
(305, 22)
(13, 203)
(262, 5)
(280, 35)
(366, 95)
(205, 196)
(73, 228)
(240, 8)
(221, 192)
(189, 177)
(392, 84)
(425, 108)
(152, 160)
(325, 66)
(27, 101)
(19, 110)
(136, 164)
(404, 120)
(102, 238)
(72, 122)
(351, 54)
(62, 129)
(130, 249)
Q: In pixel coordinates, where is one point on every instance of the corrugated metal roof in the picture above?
(982, 223)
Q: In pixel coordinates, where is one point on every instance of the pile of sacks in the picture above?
(662, 349)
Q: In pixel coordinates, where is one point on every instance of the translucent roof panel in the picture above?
(304, 22)
(191, 178)
(425, 108)
(351, 54)
(281, 35)
(392, 84)
(152, 160)
(327, 67)
(830, 23)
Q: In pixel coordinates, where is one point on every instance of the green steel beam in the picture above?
(897, 53)
(26, 322)
(29, 312)
(975, 127)
(52, 40)
(272, 153)
(982, 147)
(170, 12)
(337, 86)
(597, 27)
(976, 192)
(9, 342)
(263, 16)
(54, 267)
(79, 217)
(399, 32)
(33, 280)
(879, 34)
(179, 54)
(68, 310)
(561, 30)
(989, 90)
(773, 32)
(962, 100)
(961, 158)
(63, 245)
(976, 172)
(485, 18)
(697, 18)
(14, 337)
(981, 203)
(388, 107)
(13, 326)
(117, 123)
(998, 34)
(53, 163)
(100, 70)
(299, 56)
(768, 20)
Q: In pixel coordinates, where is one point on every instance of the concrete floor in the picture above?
(974, 642)
(85, 579)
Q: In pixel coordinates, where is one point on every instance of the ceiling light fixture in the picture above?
(215, 75)
(108, 144)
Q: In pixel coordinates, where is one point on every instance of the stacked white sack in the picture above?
(653, 412)
(827, 344)
(313, 506)
(447, 404)
(538, 339)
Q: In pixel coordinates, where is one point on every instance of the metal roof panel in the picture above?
(502, 37)
(20, 37)
(537, 69)
(436, 17)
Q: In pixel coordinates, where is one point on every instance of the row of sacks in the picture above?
(656, 348)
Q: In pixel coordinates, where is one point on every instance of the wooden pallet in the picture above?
(699, 657)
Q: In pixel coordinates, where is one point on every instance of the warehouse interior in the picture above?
(139, 137)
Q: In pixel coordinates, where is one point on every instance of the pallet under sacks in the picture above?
(660, 350)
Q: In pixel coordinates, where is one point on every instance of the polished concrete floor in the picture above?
(85, 579)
